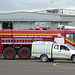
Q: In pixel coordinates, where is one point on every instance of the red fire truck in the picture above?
(19, 42)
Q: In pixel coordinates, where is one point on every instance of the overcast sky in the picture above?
(15, 5)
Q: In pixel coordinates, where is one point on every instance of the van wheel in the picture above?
(73, 59)
(44, 58)
(9, 53)
(24, 53)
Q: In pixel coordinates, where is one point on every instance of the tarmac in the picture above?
(34, 66)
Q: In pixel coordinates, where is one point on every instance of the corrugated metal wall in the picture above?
(23, 25)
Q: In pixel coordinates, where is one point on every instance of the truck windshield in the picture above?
(71, 47)
(71, 37)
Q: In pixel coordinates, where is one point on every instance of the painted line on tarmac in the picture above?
(62, 67)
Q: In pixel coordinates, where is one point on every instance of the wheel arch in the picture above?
(28, 46)
(5, 46)
(42, 55)
(72, 56)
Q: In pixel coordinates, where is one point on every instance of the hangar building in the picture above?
(28, 20)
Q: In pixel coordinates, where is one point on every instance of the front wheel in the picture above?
(44, 58)
(9, 53)
(73, 59)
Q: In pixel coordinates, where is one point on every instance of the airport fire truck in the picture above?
(19, 42)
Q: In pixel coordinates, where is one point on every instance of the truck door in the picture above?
(61, 53)
(64, 52)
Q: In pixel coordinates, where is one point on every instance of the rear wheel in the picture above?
(24, 53)
(9, 53)
(44, 58)
(73, 59)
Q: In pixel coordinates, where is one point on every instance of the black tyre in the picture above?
(44, 58)
(73, 59)
(24, 53)
(9, 53)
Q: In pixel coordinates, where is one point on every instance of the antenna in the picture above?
(52, 2)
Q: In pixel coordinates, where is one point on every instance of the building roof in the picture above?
(30, 16)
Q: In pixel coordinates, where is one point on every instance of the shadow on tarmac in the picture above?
(38, 60)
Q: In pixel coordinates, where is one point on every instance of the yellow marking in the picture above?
(5, 33)
(31, 34)
(62, 36)
(50, 48)
(34, 34)
(45, 48)
(62, 67)
(68, 40)
(36, 55)
(55, 64)
(32, 48)
(23, 34)
(49, 56)
(60, 57)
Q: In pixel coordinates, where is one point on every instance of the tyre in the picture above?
(73, 59)
(24, 53)
(9, 53)
(44, 58)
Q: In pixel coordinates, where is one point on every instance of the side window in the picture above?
(70, 37)
(67, 49)
(62, 47)
(56, 47)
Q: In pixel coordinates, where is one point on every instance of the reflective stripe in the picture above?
(49, 56)
(24, 34)
(35, 34)
(45, 48)
(68, 40)
(51, 49)
(31, 34)
(60, 57)
(36, 55)
(32, 48)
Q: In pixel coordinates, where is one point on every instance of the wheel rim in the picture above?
(9, 53)
(24, 53)
(44, 59)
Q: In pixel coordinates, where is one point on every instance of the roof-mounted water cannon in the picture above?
(60, 27)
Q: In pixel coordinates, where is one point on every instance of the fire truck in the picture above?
(19, 42)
